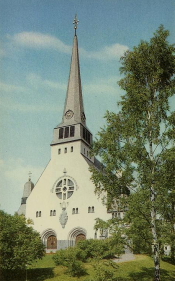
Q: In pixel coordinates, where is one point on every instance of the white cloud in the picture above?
(33, 83)
(39, 41)
(106, 86)
(22, 107)
(2, 52)
(14, 174)
(11, 88)
(112, 52)
(36, 80)
(17, 169)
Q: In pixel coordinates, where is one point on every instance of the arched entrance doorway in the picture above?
(49, 239)
(52, 242)
(76, 235)
(80, 237)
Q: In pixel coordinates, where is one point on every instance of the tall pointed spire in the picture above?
(74, 109)
(73, 126)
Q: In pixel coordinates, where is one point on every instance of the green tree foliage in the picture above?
(167, 207)
(19, 243)
(135, 143)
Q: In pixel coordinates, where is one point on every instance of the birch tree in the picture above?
(135, 139)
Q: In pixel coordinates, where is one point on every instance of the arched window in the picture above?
(51, 213)
(54, 213)
(37, 214)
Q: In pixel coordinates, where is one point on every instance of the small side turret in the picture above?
(28, 187)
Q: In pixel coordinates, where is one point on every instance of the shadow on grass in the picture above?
(34, 274)
(147, 274)
(169, 260)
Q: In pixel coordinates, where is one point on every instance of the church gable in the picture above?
(63, 205)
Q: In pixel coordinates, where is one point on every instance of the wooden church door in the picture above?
(52, 242)
(80, 237)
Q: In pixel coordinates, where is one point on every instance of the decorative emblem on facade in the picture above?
(69, 114)
(63, 217)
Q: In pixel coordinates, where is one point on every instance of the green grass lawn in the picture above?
(141, 268)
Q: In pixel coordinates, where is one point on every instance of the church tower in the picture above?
(63, 205)
(73, 126)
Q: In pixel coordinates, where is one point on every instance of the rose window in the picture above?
(64, 188)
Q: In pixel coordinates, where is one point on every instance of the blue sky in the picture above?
(36, 39)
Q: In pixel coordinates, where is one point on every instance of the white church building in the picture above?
(62, 204)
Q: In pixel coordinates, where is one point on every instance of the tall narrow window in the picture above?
(65, 150)
(66, 132)
(54, 213)
(84, 133)
(59, 151)
(88, 137)
(92, 209)
(73, 211)
(61, 133)
(39, 213)
(71, 149)
(89, 209)
(72, 131)
(51, 212)
(36, 214)
(76, 210)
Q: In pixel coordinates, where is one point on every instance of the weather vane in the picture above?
(75, 22)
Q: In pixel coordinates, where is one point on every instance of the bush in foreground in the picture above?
(20, 244)
(71, 258)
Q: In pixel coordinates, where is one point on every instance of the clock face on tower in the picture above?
(69, 114)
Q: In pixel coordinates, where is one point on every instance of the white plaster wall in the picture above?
(44, 199)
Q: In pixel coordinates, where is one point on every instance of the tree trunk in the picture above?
(156, 251)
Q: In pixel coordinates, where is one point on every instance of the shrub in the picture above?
(102, 273)
(97, 248)
(71, 258)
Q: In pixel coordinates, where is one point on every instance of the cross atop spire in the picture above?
(30, 173)
(75, 22)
